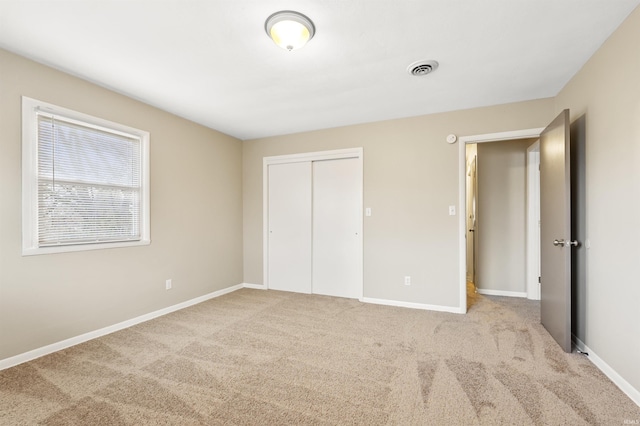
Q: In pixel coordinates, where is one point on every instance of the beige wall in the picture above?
(501, 231)
(605, 96)
(196, 220)
(410, 179)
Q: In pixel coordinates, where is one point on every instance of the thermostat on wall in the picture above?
(452, 138)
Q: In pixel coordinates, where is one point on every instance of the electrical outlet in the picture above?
(167, 284)
(407, 280)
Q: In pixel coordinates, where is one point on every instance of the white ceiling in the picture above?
(211, 61)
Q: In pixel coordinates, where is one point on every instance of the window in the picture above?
(85, 181)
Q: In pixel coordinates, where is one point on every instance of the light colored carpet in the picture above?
(274, 358)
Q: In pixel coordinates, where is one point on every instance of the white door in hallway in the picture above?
(289, 227)
(337, 200)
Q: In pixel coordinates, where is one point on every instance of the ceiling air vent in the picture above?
(421, 68)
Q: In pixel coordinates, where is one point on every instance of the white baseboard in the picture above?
(489, 292)
(54, 347)
(439, 308)
(624, 386)
(254, 286)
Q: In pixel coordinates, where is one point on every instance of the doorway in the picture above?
(463, 201)
(498, 255)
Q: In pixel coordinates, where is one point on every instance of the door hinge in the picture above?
(539, 280)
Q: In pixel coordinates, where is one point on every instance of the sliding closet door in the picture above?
(289, 261)
(337, 206)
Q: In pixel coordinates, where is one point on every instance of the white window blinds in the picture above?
(89, 183)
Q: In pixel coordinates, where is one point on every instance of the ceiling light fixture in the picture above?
(289, 30)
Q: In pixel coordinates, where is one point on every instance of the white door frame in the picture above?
(533, 221)
(356, 153)
(462, 196)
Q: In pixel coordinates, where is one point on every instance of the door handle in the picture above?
(563, 243)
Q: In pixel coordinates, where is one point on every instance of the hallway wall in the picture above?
(501, 233)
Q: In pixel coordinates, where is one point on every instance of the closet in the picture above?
(314, 223)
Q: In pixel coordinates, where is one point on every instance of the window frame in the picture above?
(30, 240)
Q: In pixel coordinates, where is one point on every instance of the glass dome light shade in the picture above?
(289, 30)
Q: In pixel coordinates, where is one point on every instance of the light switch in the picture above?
(452, 210)
(367, 211)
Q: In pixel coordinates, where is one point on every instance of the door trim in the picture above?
(462, 196)
(533, 222)
(357, 153)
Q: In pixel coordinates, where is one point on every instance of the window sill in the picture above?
(34, 251)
